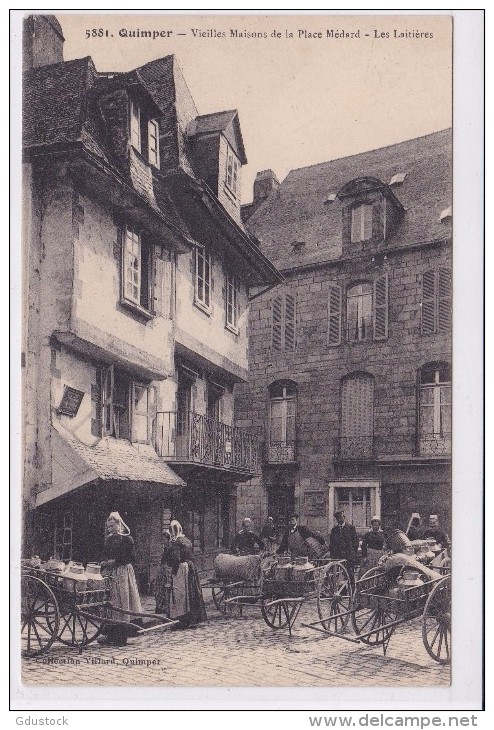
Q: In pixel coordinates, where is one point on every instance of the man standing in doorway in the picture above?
(343, 543)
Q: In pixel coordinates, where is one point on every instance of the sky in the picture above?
(302, 99)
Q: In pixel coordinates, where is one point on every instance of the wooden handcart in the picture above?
(50, 611)
(328, 582)
(379, 607)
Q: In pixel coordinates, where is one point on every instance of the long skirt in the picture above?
(124, 592)
(186, 601)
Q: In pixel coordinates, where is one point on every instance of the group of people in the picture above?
(178, 593)
(177, 589)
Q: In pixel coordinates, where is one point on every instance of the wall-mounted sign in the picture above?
(71, 400)
(315, 504)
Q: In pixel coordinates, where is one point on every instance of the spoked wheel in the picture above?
(222, 594)
(436, 622)
(39, 616)
(371, 619)
(275, 615)
(78, 629)
(334, 597)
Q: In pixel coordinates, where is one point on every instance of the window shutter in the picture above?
(107, 401)
(355, 227)
(444, 300)
(428, 302)
(277, 315)
(357, 406)
(159, 291)
(334, 315)
(289, 322)
(152, 412)
(381, 308)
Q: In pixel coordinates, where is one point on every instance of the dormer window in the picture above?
(370, 213)
(232, 169)
(144, 134)
(361, 223)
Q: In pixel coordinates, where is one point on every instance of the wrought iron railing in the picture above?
(280, 453)
(193, 437)
(354, 447)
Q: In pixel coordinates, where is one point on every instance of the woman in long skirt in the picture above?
(186, 602)
(119, 555)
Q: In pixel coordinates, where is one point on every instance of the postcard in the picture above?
(239, 272)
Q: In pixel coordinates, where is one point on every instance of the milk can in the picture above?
(74, 577)
(300, 567)
(94, 578)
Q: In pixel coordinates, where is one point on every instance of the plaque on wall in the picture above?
(315, 504)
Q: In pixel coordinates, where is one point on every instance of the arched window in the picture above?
(282, 421)
(357, 416)
(435, 409)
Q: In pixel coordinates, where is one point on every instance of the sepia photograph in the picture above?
(237, 351)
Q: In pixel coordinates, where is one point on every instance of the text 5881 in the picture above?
(97, 33)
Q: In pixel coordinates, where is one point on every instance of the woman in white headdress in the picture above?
(119, 555)
(372, 546)
(186, 602)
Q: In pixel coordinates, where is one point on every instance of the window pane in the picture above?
(140, 426)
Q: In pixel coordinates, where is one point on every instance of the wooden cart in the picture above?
(328, 582)
(378, 608)
(50, 611)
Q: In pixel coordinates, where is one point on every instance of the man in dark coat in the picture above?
(343, 543)
(434, 530)
(247, 542)
(294, 539)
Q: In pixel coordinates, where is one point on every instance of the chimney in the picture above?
(264, 184)
(42, 41)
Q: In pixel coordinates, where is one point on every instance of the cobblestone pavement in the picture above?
(241, 651)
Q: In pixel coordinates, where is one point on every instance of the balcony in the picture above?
(354, 448)
(280, 453)
(192, 438)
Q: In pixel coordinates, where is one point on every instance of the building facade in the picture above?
(136, 272)
(350, 357)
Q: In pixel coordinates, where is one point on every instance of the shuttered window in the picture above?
(357, 416)
(334, 315)
(283, 322)
(436, 301)
(366, 311)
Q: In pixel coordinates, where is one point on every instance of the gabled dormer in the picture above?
(130, 116)
(218, 150)
(370, 214)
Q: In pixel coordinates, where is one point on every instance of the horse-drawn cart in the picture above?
(54, 608)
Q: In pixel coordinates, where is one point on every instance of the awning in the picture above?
(75, 464)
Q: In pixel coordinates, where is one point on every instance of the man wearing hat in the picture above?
(372, 546)
(343, 543)
(246, 542)
(295, 539)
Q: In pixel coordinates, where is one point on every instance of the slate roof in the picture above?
(119, 459)
(297, 211)
(54, 102)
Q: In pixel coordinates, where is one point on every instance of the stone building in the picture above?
(136, 271)
(350, 357)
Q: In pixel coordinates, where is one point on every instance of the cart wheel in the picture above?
(436, 622)
(78, 630)
(222, 594)
(275, 616)
(39, 616)
(367, 619)
(334, 596)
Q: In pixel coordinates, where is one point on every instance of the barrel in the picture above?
(234, 568)
(396, 540)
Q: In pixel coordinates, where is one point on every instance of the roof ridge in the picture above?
(366, 152)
